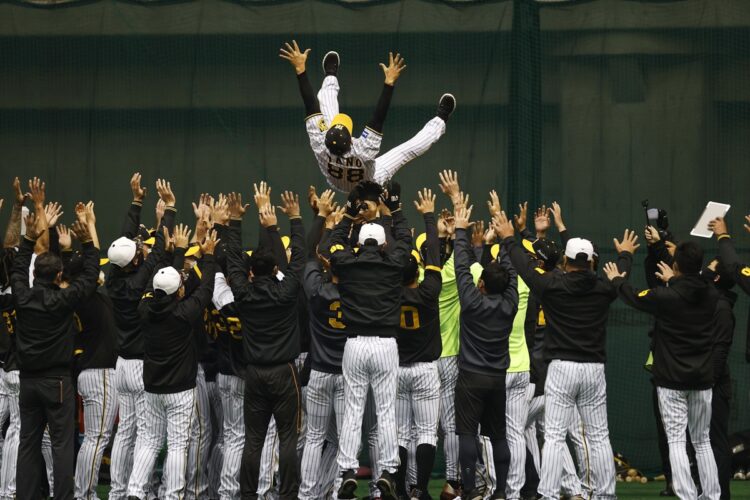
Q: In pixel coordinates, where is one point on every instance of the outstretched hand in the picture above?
(502, 226)
(612, 272)
(426, 202)
(665, 272)
(628, 244)
(296, 57)
(396, 65)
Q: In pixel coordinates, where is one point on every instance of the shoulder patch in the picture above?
(322, 125)
(336, 248)
(643, 293)
(745, 271)
(539, 270)
(147, 295)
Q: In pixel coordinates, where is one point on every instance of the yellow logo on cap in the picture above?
(644, 293)
(745, 271)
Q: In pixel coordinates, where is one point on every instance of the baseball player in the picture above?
(487, 312)
(728, 255)
(683, 371)
(45, 343)
(95, 364)
(128, 277)
(576, 305)
(370, 285)
(170, 367)
(325, 390)
(267, 308)
(418, 397)
(345, 160)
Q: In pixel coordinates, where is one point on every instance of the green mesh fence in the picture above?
(614, 101)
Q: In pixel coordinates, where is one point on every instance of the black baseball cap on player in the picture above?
(339, 135)
(544, 250)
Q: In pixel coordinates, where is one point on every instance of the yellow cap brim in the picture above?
(495, 250)
(103, 261)
(416, 256)
(192, 251)
(285, 241)
(345, 120)
(420, 241)
(249, 253)
(528, 245)
(150, 241)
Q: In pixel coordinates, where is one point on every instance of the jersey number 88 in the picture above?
(353, 174)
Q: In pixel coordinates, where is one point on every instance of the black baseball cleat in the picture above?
(387, 486)
(474, 494)
(348, 484)
(446, 106)
(331, 63)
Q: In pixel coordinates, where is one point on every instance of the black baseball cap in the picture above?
(338, 140)
(544, 250)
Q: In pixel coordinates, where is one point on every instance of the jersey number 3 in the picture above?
(352, 174)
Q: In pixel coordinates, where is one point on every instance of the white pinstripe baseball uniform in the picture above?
(132, 422)
(362, 162)
(97, 389)
(269, 464)
(169, 418)
(217, 439)
(200, 436)
(516, 396)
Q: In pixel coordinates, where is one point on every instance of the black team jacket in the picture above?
(684, 331)
(576, 306)
(96, 339)
(125, 286)
(486, 320)
(370, 280)
(170, 362)
(46, 329)
(267, 307)
(419, 339)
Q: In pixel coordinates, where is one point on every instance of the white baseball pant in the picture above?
(232, 390)
(448, 372)
(97, 389)
(369, 362)
(168, 416)
(577, 436)
(572, 385)
(418, 403)
(324, 400)
(682, 411)
(269, 464)
(131, 424)
(200, 436)
(217, 439)
(516, 415)
(4, 408)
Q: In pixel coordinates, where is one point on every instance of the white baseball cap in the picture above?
(372, 231)
(168, 280)
(121, 251)
(577, 246)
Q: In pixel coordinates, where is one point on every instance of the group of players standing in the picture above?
(243, 361)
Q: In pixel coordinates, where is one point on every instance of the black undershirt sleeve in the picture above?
(308, 95)
(381, 109)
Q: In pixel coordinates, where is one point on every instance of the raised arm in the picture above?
(728, 255)
(133, 217)
(13, 231)
(290, 206)
(324, 206)
(522, 262)
(396, 65)
(468, 294)
(191, 308)
(298, 59)
(85, 284)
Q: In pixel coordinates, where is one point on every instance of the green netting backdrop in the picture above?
(639, 99)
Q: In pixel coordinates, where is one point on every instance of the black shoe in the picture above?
(446, 106)
(474, 494)
(331, 63)
(416, 494)
(131, 497)
(348, 485)
(497, 496)
(387, 486)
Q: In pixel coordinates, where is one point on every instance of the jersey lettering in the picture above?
(409, 318)
(10, 318)
(235, 328)
(335, 320)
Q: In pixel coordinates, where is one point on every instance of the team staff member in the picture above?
(729, 257)
(325, 390)
(95, 362)
(170, 367)
(576, 306)
(370, 285)
(128, 278)
(419, 346)
(683, 370)
(267, 310)
(45, 352)
(487, 312)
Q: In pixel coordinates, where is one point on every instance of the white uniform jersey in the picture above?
(344, 172)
